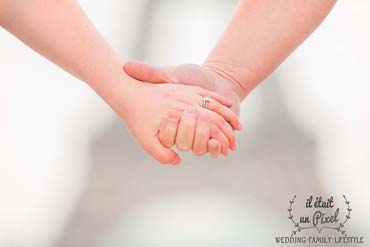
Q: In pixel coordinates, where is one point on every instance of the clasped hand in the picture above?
(168, 114)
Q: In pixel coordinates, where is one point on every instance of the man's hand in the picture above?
(209, 78)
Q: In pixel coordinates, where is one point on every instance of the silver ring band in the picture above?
(206, 101)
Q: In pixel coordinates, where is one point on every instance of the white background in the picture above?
(70, 174)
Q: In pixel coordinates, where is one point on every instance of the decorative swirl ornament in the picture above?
(339, 228)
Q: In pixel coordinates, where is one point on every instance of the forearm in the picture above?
(261, 35)
(60, 31)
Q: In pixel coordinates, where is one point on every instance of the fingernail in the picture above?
(234, 147)
(240, 126)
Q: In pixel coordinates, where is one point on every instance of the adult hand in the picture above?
(207, 77)
(143, 106)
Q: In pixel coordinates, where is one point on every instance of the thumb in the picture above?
(163, 154)
(145, 72)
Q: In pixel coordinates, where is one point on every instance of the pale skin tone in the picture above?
(260, 36)
(60, 31)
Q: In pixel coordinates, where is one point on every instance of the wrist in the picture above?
(240, 82)
(225, 85)
(117, 92)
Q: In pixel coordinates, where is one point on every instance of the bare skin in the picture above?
(60, 31)
(260, 36)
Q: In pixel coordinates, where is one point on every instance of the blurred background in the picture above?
(71, 175)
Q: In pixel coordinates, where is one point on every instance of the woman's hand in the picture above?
(208, 77)
(144, 105)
